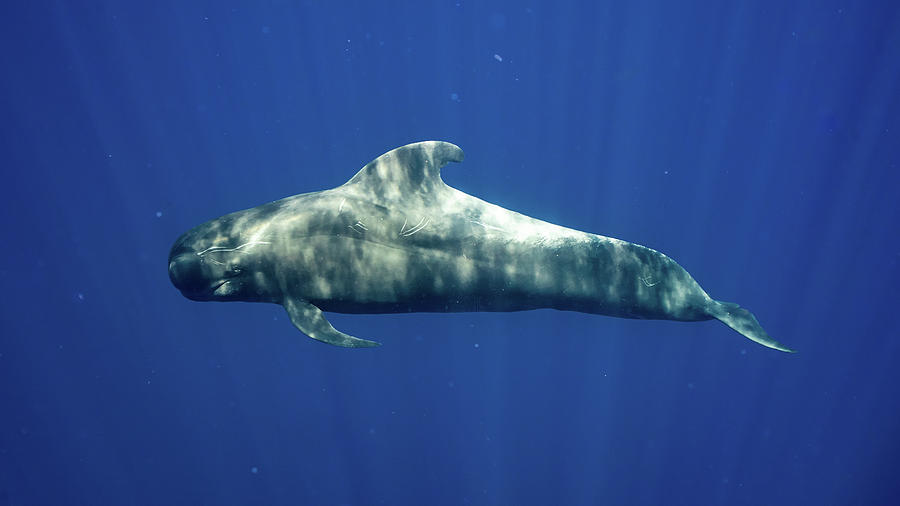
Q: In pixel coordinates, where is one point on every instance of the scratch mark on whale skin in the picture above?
(423, 222)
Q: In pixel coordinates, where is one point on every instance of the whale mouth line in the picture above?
(207, 294)
(221, 288)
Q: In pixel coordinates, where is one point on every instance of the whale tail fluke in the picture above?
(745, 323)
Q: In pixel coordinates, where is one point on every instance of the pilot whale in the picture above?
(395, 239)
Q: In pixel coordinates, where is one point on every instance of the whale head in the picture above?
(207, 265)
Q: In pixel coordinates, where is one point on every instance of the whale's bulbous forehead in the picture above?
(226, 230)
(205, 264)
(193, 241)
(186, 272)
(182, 245)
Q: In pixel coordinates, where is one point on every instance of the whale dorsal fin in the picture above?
(414, 169)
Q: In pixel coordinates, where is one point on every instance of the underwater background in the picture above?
(756, 143)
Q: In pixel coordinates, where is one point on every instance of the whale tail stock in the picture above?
(744, 323)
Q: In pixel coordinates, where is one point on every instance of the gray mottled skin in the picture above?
(396, 239)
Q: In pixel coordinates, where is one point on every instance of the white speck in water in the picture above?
(159, 214)
(454, 97)
(79, 296)
(498, 57)
(254, 469)
(477, 345)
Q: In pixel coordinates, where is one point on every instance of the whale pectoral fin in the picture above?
(745, 323)
(310, 320)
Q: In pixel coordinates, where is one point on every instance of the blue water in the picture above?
(757, 143)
